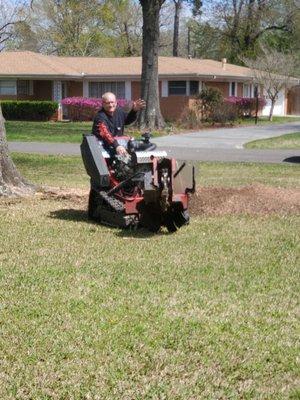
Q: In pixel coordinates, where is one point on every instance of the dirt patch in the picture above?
(252, 199)
(76, 196)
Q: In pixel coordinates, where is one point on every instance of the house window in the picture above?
(97, 89)
(23, 87)
(194, 88)
(8, 88)
(246, 90)
(232, 89)
(177, 87)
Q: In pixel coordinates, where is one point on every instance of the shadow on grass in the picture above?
(294, 159)
(139, 233)
(70, 214)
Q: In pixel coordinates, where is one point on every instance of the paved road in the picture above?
(207, 145)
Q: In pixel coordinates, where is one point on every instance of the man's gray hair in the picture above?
(108, 95)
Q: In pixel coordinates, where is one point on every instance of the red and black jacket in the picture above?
(106, 127)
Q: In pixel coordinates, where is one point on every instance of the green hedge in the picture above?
(28, 110)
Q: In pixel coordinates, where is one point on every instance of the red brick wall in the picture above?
(173, 106)
(222, 86)
(240, 90)
(135, 90)
(74, 89)
(42, 90)
(5, 97)
(19, 97)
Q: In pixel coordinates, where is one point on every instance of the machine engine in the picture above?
(144, 188)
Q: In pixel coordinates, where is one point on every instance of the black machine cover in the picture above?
(94, 162)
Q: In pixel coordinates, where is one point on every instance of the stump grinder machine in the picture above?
(145, 188)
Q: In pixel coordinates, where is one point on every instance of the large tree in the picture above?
(126, 27)
(11, 13)
(151, 116)
(67, 27)
(11, 182)
(235, 28)
(178, 4)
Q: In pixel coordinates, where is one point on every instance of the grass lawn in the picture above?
(71, 132)
(265, 120)
(91, 312)
(46, 131)
(69, 172)
(288, 141)
(61, 132)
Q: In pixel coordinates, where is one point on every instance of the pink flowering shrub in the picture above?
(245, 105)
(83, 108)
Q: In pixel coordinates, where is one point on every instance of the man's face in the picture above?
(109, 104)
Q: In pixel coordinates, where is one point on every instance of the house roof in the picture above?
(34, 65)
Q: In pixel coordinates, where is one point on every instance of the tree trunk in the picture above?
(189, 41)
(176, 27)
(151, 116)
(129, 50)
(11, 182)
(273, 101)
(272, 109)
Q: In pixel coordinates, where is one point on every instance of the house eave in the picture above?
(40, 76)
(105, 77)
(133, 77)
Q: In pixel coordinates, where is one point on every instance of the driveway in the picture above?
(226, 138)
(207, 145)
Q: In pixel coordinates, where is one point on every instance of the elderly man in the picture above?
(110, 120)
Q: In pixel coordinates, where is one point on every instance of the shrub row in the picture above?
(246, 106)
(211, 107)
(28, 110)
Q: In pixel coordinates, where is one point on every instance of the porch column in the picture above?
(128, 90)
(56, 91)
(164, 88)
(85, 89)
(188, 88)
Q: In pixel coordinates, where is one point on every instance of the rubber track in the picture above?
(116, 204)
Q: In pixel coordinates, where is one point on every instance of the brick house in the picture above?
(25, 75)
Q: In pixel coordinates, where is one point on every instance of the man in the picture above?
(109, 123)
(110, 120)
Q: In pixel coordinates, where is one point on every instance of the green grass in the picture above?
(288, 141)
(91, 312)
(52, 170)
(69, 171)
(60, 132)
(265, 120)
(71, 132)
(46, 131)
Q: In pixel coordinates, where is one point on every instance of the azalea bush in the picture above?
(245, 106)
(83, 108)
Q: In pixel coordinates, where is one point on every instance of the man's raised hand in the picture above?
(138, 105)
